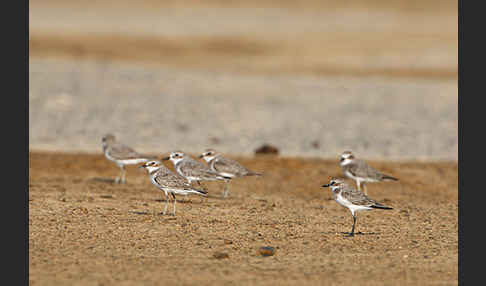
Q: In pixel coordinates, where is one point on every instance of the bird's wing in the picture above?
(360, 168)
(120, 151)
(171, 180)
(197, 169)
(228, 166)
(357, 198)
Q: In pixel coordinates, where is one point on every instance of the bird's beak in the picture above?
(165, 158)
(200, 156)
(342, 159)
(326, 185)
(141, 166)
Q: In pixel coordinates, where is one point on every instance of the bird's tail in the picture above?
(251, 173)
(386, 177)
(198, 192)
(380, 206)
(225, 178)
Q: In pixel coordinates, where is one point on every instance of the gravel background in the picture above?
(157, 110)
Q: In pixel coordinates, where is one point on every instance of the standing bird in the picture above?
(191, 169)
(169, 182)
(352, 199)
(225, 167)
(360, 171)
(121, 154)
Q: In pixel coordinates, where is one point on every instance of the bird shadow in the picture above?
(359, 233)
(346, 234)
(140, 212)
(169, 215)
(179, 201)
(102, 180)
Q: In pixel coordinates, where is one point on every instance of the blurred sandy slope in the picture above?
(310, 77)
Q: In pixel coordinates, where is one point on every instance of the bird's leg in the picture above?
(226, 189)
(354, 223)
(358, 184)
(166, 203)
(124, 172)
(364, 188)
(121, 178)
(118, 179)
(175, 202)
(199, 184)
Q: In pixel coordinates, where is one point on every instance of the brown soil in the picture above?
(403, 38)
(86, 230)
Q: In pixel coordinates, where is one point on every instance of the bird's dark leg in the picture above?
(354, 223)
(175, 202)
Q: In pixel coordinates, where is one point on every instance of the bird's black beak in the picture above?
(342, 159)
(141, 166)
(200, 156)
(326, 185)
(166, 158)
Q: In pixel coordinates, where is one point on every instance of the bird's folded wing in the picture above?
(171, 180)
(362, 169)
(224, 165)
(357, 197)
(120, 151)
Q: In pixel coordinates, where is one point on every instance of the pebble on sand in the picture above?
(220, 255)
(266, 251)
(267, 149)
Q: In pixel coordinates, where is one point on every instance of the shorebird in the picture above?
(360, 171)
(121, 155)
(352, 199)
(225, 167)
(192, 170)
(169, 182)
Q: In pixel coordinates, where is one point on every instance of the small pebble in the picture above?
(266, 251)
(220, 255)
(227, 241)
(266, 149)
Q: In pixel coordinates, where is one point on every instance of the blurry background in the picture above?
(312, 78)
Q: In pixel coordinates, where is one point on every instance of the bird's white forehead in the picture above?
(346, 154)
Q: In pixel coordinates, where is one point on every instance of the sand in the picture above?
(86, 230)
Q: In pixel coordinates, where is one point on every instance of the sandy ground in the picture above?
(86, 230)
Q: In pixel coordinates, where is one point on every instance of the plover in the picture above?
(192, 170)
(225, 167)
(360, 171)
(352, 199)
(169, 182)
(121, 154)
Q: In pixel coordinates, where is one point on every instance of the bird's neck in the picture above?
(345, 162)
(152, 170)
